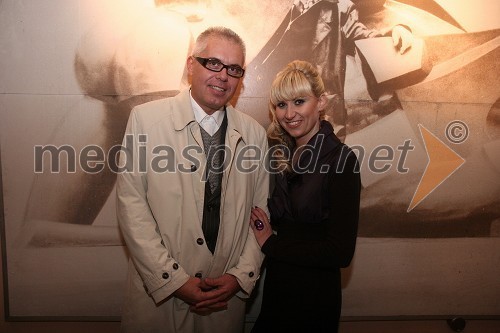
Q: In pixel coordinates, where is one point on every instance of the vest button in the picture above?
(251, 274)
(165, 276)
(199, 241)
(198, 275)
(175, 266)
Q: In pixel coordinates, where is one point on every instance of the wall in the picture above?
(360, 326)
(72, 70)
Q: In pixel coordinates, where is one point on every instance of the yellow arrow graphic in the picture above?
(443, 162)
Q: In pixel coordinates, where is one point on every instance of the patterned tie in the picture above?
(213, 166)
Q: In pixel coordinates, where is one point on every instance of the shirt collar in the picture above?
(200, 114)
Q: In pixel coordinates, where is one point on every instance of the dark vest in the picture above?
(214, 149)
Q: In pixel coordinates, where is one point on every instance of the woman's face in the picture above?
(300, 117)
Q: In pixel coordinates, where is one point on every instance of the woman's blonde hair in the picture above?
(298, 79)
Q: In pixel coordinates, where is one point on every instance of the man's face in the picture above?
(212, 90)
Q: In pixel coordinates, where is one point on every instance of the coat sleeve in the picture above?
(336, 248)
(159, 271)
(247, 270)
(351, 27)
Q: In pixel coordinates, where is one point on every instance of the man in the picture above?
(193, 259)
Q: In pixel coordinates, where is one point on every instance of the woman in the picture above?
(314, 209)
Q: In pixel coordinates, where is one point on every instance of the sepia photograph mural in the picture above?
(413, 88)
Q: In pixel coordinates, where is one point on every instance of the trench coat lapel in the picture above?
(198, 176)
(233, 136)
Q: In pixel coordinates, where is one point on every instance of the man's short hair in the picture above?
(220, 32)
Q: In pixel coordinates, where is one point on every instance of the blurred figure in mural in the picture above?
(322, 32)
(122, 61)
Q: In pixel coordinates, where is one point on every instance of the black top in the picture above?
(315, 211)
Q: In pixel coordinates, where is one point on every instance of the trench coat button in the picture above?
(193, 168)
(175, 266)
(198, 275)
(199, 241)
(251, 274)
(165, 276)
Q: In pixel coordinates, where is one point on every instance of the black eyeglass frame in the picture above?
(204, 62)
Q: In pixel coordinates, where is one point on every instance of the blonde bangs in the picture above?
(290, 85)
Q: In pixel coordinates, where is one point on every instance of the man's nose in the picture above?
(222, 75)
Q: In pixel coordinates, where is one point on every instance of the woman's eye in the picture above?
(281, 105)
(299, 101)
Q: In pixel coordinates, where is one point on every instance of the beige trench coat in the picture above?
(160, 215)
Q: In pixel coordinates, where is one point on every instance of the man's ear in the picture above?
(189, 65)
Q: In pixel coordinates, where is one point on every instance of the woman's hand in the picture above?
(260, 225)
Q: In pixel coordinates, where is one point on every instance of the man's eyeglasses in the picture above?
(215, 65)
